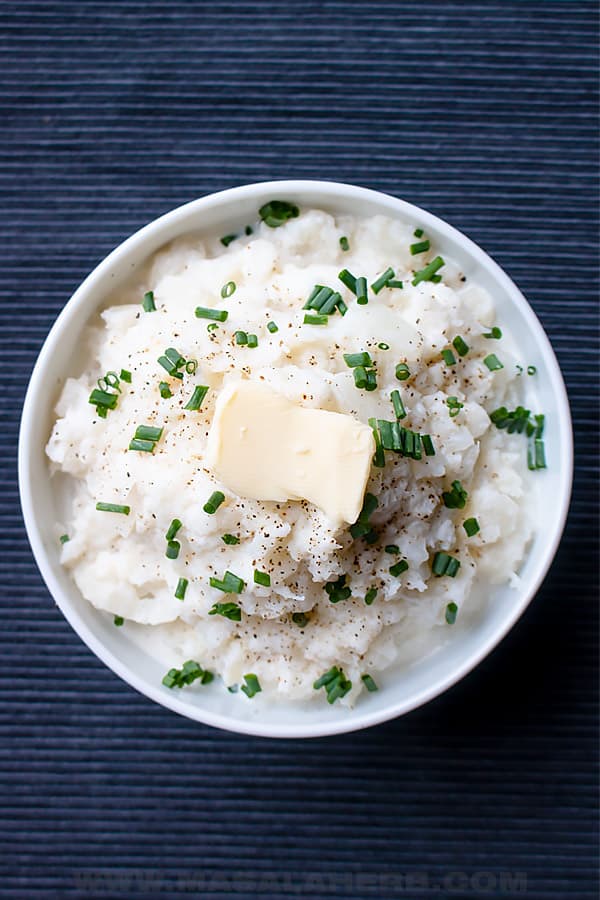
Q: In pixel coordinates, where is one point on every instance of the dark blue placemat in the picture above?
(483, 112)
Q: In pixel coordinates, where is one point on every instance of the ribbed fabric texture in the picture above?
(482, 112)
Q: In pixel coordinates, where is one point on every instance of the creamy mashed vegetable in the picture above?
(334, 600)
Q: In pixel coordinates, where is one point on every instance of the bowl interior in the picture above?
(401, 687)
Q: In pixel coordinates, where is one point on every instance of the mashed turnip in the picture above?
(119, 562)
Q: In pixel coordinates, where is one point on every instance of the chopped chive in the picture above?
(195, 401)
(348, 279)
(218, 315)
(252, 341)
(148, 433)
(272, 327)
(103, 399)
(252, 686)
(385, 430)
(241, 338)
(318, 296)
(315, 320)
(399, 568)
(379, 458)
(402, 372)
(212, 327)
(228, 289)
(370, 596)
(64, 538)
(359, 374)
(118, 621)
(435, 279)
(181, 588)
(449, 357)
(394, 283)
(343, 309)
(344, 243)
(471, 526)
(494, 333)
(148, 302)
(190, 671)
(456, 498)
(382, 280)
(427, 445)
(142, 446)
(420, 247)
(173, 548)
(454, 406)
(418, 232)
(369, 683)
(540, 456)
(493, 363)
(531, 370)
(357, 359)
(277, 212)
(371, 537)
(450, 614)
(327, 678)
(229, 611)
(125, 376)
(172, 361)
(383, 346)
(398, 405)
(362, 526)
(113, 507)
(338, 590)
(227, 239)
(335, 684)
(300, 619)
(262, 578)
(428, 273)
(394, 549)
(173, 528)
(213, 502)
(330, 304)
(230, 539)
(230, 584)
(361, 291)
(460, 346)
(444, 564)
(165, 390)
(316, 291)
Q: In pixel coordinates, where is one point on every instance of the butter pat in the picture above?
(264, 447)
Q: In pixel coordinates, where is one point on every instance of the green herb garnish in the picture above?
(262, 578)
(217, 315)
(190, 671)
(444, 564)
(230, 539)
(278, 212)
(252, 686)
(230, 584)
(428, 273)
(148, 302)
(369, 683)
(114, 508)
(181, 588)
(456, 498)
(471, 526)
(228, 289)
(198, 395)
(451, 611)
(493, 363)
(335, 684)
(228, 610)
(213, 502)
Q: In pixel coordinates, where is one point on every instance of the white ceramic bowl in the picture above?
(470, 640)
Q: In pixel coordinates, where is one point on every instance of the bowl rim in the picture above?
(331, 190)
